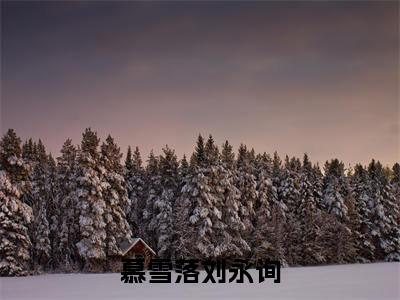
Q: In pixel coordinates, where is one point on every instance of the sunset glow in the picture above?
(312, 77)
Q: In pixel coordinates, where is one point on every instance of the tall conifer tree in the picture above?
(90, 186)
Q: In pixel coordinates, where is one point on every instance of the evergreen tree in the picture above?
(265, 188)
(195, 208)
(198, 158)
(335, 189)
(90, 186)
(211, 153)
(289, 189)
(362, 229)
(270, 238)
(135, 181)
(247, 185)
(66, 251)
(76, 212)
(289, 194)
(317, 184)
(229, 241)
(228, 156)
(53, 209)
(153, 193)
(28, 151)
(11, 161)
(184, 169)
(336, 239)
(357, 242)
(307, 190)
(15, 215)
(41, 196)
(277, 173)
(395, 182)
(42, 247)
(115, 197)
(308, 215)
(163, 207)
(263, 206)
(384, 212)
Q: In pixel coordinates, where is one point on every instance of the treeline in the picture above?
(71, 213)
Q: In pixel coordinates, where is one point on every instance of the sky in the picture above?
(315, 77)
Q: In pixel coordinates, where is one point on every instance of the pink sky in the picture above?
(312, 77)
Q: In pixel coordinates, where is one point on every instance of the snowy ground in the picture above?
(371, 281)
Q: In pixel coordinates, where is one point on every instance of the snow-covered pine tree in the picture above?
(29, 159)
(263, 206)
(317, 181)
(289, 194)
(115, 197)
(128, 172)
(263, 173)
(229, 241)
(251, 157)
(264, 164)
(336, 240)
(153, 194)
(183, 170)
(15, 215)
(308, 216)
(277, 173)
(28, 151)
(11, 160)
(270, 236)
(336, 189)
(66, 252)
(163, 207)
(276, 168)
(198, 158)
(336, 200)
(362, 229)
(384, 212)
(211, 152)
(53, 209)
(41, 196)
(353, 223)
(220, 241)
(195, 207)
(228, 156)
(289, 188)
(42, 247)
(247, 185)
(308, 203)
(90, 186)
(395, 182)
(135, 180)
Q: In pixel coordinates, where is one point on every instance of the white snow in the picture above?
(368, 281)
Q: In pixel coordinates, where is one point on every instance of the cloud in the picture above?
(291, 76)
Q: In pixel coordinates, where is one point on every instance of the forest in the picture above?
(70, 213)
